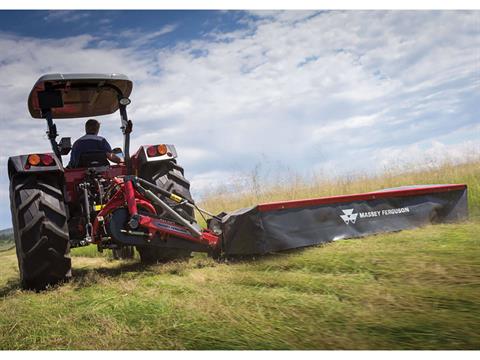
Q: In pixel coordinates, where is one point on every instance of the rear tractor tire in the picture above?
(169, 176)
(40, 229)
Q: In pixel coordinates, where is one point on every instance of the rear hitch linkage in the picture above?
(135, 191)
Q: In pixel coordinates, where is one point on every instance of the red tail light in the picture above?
(157, 150)
(47, 160)
(152, 151)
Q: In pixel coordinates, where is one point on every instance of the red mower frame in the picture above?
(132, 196)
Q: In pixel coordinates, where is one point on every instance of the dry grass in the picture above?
(264, 186)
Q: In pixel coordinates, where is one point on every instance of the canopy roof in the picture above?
(78, 95)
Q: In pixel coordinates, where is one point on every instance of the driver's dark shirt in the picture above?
(87, 143)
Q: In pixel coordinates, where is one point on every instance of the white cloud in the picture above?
(355, 122)
(429, 153)
(66, 16)
(313, 91)
(137, 37)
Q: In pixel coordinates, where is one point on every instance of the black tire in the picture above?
(123, 253)
(154, 255)
(169, 176)
(40, 229)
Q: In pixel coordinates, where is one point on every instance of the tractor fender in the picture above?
(18, 164)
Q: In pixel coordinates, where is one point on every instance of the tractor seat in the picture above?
(93, 159)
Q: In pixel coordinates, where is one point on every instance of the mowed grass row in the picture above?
(416, 289)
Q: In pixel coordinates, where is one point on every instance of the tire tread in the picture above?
(40, 231)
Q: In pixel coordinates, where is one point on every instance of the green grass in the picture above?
(416, 289)
(91, 252)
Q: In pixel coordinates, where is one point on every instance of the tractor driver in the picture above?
(91, 142)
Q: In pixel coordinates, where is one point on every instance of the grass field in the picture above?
(416, 289)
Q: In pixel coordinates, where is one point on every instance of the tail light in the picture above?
(157, 150)
(162, 149)
(34, 159)
(40, 160)
(152, 151)
(46, 159)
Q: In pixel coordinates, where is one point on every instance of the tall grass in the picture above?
(264, 186)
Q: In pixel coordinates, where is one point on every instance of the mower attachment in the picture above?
(273, 227)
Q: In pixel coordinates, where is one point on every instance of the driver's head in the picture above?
(92, 127)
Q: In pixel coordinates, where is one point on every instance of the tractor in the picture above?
(143, 202)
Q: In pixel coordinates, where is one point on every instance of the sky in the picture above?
(324, 92)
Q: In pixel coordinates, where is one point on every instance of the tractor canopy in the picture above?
(78, 95)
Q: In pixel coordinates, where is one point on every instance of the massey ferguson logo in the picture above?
(348, 216)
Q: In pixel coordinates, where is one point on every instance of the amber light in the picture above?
(162, 149)
(34, 159)
(157, 150)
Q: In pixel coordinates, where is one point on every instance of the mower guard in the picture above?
(78, 95)
(273, 227)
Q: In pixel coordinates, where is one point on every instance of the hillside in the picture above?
(6, 234)
(415, 289)
(6, 239)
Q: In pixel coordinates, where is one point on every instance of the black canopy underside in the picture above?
(83, 95)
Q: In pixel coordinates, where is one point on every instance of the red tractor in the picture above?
(144, 202)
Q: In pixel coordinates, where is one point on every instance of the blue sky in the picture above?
(325, 92)
(99, 23)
